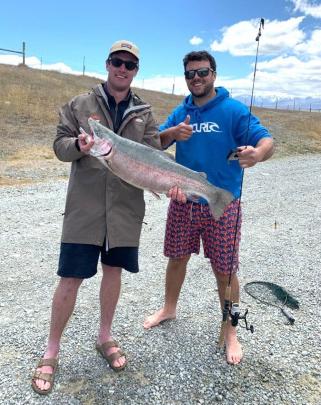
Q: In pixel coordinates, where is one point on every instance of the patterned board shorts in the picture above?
(189, 223)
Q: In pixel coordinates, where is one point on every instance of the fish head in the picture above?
(103, 144)
(101, 131)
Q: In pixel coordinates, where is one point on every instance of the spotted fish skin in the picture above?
(151, 169)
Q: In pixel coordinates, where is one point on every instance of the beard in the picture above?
(208, 89)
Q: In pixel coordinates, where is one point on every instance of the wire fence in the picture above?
(290, 104)
(22, 52)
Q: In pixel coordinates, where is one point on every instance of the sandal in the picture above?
(48, 377)
(102, 349)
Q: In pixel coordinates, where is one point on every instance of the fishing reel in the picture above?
(235, 315)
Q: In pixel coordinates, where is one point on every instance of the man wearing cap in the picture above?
(103, 215)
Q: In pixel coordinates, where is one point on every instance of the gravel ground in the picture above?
(176, 363)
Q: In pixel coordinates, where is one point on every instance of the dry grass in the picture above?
(29, 103)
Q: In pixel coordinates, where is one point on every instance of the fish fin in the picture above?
(218, 200)
(155, 194)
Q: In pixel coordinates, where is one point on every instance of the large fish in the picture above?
(150, 169)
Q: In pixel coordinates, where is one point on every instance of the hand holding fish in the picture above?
(176, 193)
(85, 141)
(91, 144)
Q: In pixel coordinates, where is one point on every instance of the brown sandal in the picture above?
(48, 377)
(102, 349)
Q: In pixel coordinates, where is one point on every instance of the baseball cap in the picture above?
(125, 46)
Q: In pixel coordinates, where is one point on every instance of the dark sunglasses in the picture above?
(202, 72)
(117, 62)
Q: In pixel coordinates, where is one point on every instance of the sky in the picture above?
(67, 35)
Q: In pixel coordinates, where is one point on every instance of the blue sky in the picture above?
(59, 34)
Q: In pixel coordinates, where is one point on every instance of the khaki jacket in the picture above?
(98, 203)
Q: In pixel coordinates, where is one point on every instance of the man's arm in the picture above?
(180, 132)
(249, 155)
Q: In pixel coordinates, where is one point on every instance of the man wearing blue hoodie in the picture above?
(206, 127)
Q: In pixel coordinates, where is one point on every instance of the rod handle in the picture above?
(288, 316)
(225, 315)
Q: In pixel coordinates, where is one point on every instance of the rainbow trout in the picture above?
(153, 170)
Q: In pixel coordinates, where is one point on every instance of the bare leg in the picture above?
(175, 276)
(234, 352)
(63, 305)
(109, 294)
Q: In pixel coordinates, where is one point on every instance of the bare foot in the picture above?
(158, 317)
(234, 353)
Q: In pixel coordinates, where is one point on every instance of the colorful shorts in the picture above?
(189, 223)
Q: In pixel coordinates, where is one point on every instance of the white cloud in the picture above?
(196, 40)
(308, 8)
(280, 77)
(277, 36)
(165, 84)
(293, 70)
(311, 46)
(35, 63)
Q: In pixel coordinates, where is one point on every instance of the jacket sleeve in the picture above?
(151, 135)
(67, 132)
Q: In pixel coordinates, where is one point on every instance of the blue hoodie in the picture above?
(219, 126)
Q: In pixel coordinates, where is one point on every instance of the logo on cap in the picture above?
(124, 45)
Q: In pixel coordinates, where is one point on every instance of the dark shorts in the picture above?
(80, 261)
(188, 224)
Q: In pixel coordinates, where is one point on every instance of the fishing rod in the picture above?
(230, 309)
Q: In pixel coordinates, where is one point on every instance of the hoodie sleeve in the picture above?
(170, 121)
(248, 129)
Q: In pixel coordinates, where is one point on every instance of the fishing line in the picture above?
(227, 307)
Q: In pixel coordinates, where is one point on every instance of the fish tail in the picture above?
(218, 200)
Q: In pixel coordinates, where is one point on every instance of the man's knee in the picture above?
(70, 283)
(180, 261)
(222, 276)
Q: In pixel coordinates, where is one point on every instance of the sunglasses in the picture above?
(117, 62)
(202, 72)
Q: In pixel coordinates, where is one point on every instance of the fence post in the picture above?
(23, 53)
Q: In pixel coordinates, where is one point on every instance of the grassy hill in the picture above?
(29, 103)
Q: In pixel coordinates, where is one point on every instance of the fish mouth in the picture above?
(107, 150)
